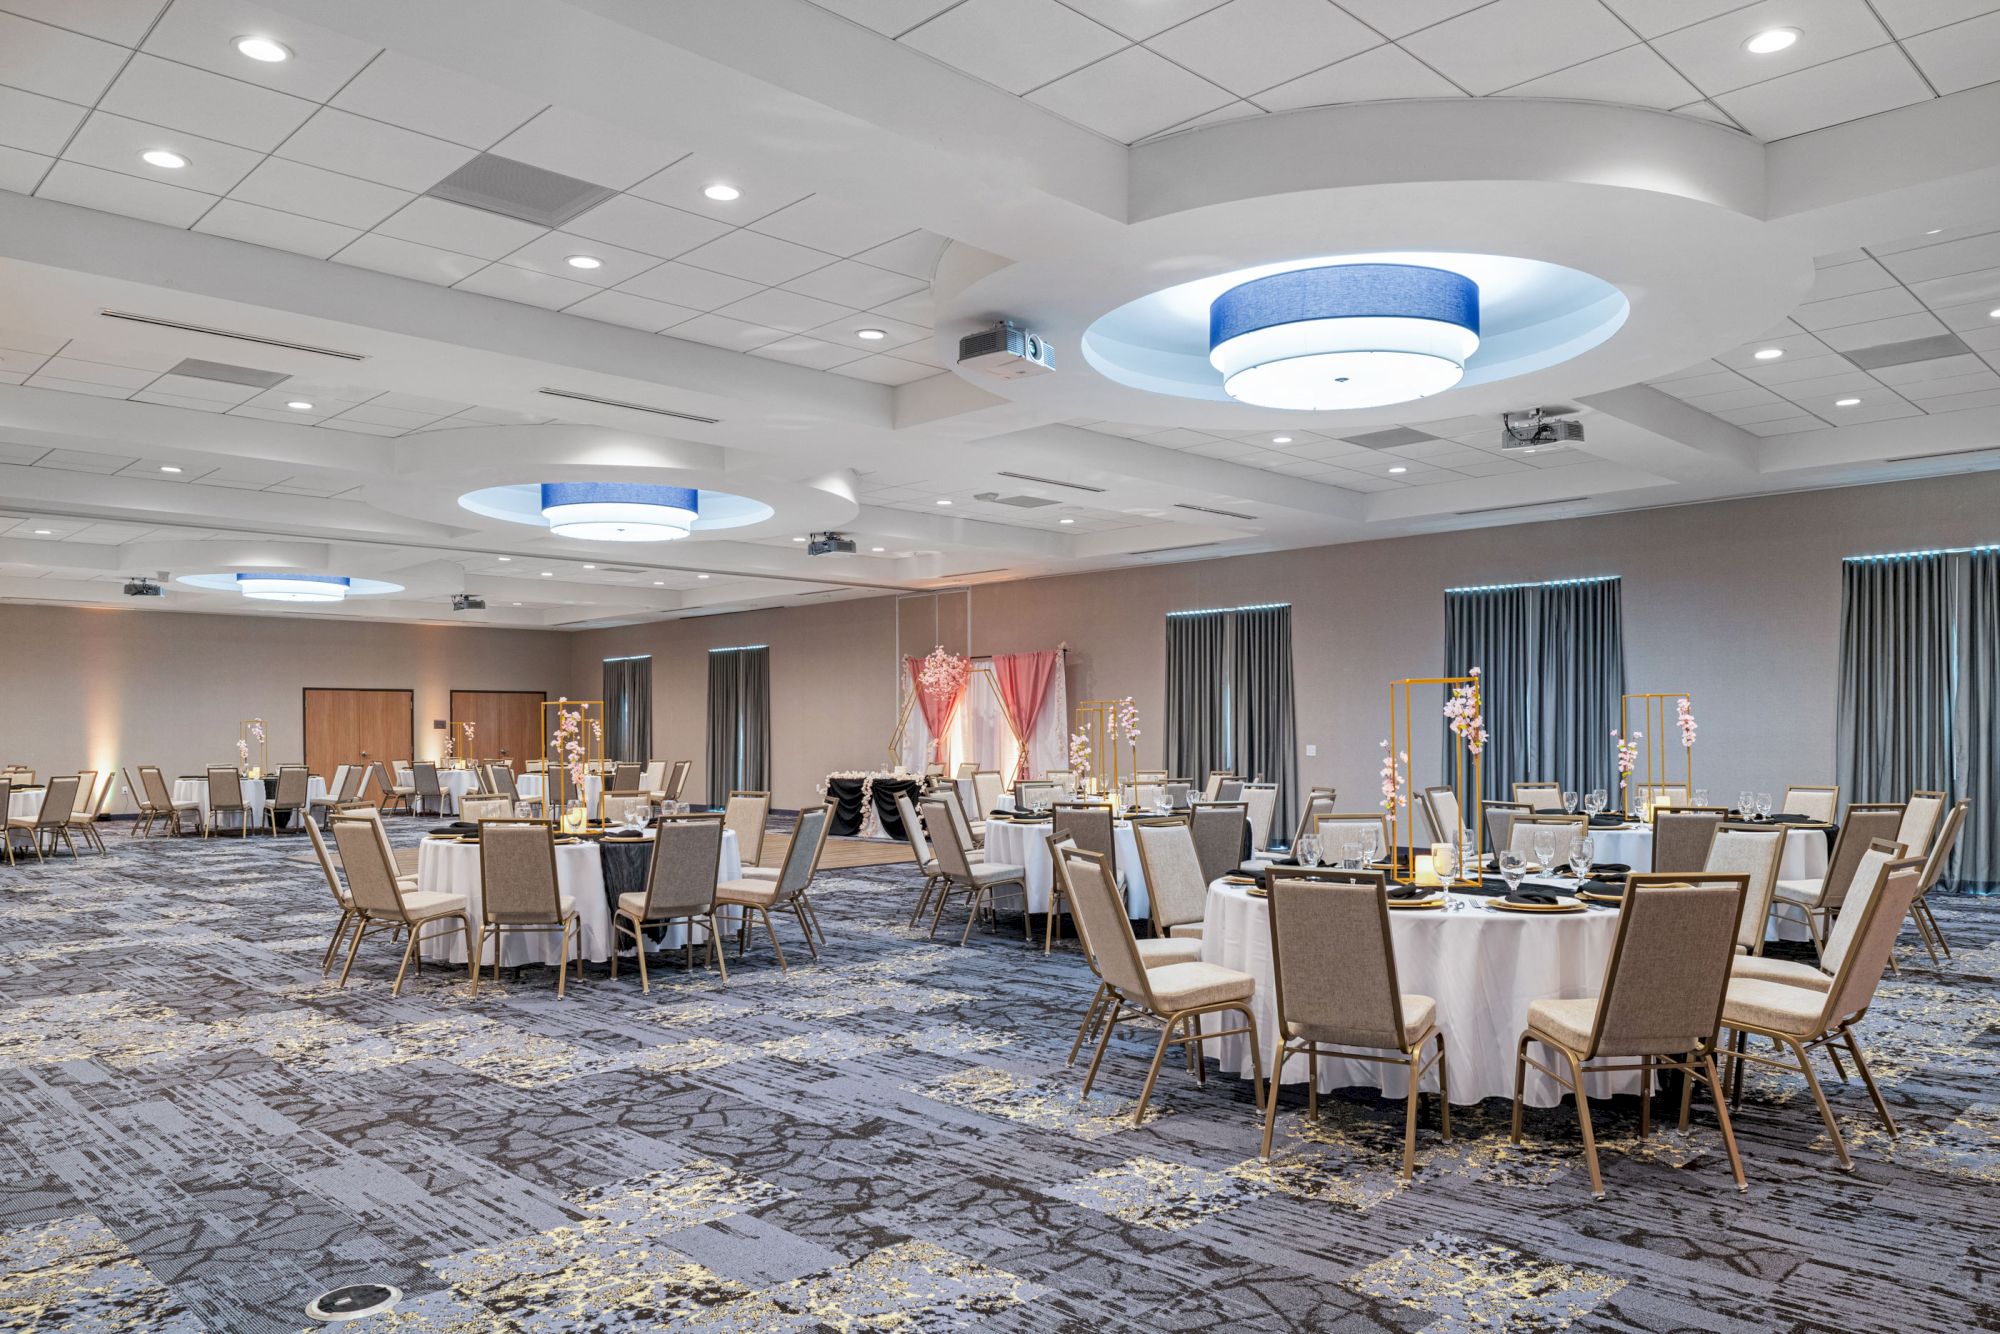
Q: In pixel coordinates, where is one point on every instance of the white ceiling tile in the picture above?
(550, 253)
(855, 285)
(294, 187)
(1923, 391)
(203, 33)
(1853, 255)
(1874, 407)
(181, 401)
(1909, 17)
(76, 386)
(1777, 374)
(38, 58)
(1128, 96)
(120, 21)
(280, 231)
(760, 190)
(35, 123)
(1711, 53)
(1972, 315)
(1820, 386)
(73, 460)
(1511, 41)
(925, 351)
(634, 312)
(916, 308)
(21, 170)
(356, 146)
(115, 144)
(1014, 44)
(386, 254)
(1930, 236)
(193, 386)
(889, 17)
(120, 353)
(449, 226)
(1250, 45)
(1694, 386)
(1973, 254)
(809, 352)
(1872, 333)
(885, 370)
(1383, 74)
(1831, 94)
(1635, 76)
(379, 414)
(1140, 19)
(1706, 111)
(1793, 346)
(843, 332)
(1396, 18)
(833, 225)
(161, 92)
(97, 372)
(721, 331)
(915, 254)
(1650, 18)
(587, 148)
(682, 285)
(526, 286)
(362, 428)
(420, 96)
(1776, 410)
(784, 310)
(1977, 285)
(1849, 279)
(1964, 402)
(23, 340)
(644, 226)
(1747, 397)
(1962, 56)
(1857, 309)
(74, 183)
(760, 259)
(1939, 368)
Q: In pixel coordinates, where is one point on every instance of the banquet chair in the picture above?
(653, 780)
(1863, 873)
(1500, 817)
(677, 779)
(1212, 791)
(1262, 799)
(967, 768)
(1028, 790)
(920, 849)
(1217, 828)
(625, 776)
(971, 833)
(1817, 900)
(1920, 821)
(537, 766)
(345, 791)
(290, 798)
(1179, 793)
(1682, 838)
(1753, 850)
(1528, 831)
(1331, 934)
(86, 788)
(403, 859)
(1815, 803)
(680, 887)
(1796, 1019)
(506, 786)
(1154, 952)
(164, 805)
(1229, 789)
(977, 880)
(381, 901)
(1089, 823)
(1539, 796)
(425, 787)
(1062, 778)
(225, 797)
(83, 820)
(987, 785)
(1928, 929)
(342, 899)
(1178, 994)
(7, 820)
(1334, 829)
(786, 890)
(617, 807)
(520, 891)
(1150, 775)
(1650, 796)
(1661, 1007)
(1176, 889)
(391, 790)
(935, 769)
(475, 809)
(144, 812)
(1440, 807)
(748, 813)
(1316, 805)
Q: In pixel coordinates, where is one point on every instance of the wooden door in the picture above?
(358, 727)
(507, 723)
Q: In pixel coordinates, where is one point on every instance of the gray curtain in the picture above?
(628, 708)
(1197, 724)
(1917, 681)
(1551, 659)
(739, 722)
(1229, 698)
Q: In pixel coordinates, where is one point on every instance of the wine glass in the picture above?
(1593, 801)
(1579, 857)
(1763, 805)
(1569, 801)
(1698, 797)
(1545, 850)
(1746, 803)
(1371, 844)
(1444, 861)
(1512, 867)
(1308, 850)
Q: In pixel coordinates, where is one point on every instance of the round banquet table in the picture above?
(1804, 858)
(446, 866)
(196, 790)
(1482, 967)
(530, 788)
(25, 804)
(1024, 843)
(453, 783)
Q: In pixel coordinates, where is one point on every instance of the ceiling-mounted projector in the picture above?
(1536, 428)
(1006, 351)
(142, 587)
(829, 544)
(467, 602)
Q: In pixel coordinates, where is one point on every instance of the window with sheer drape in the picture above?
(1229, 698)
(1919, 672)
(1551, 660)
(739, 721)
(628, 709)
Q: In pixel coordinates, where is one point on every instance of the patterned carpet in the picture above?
(197, 1133)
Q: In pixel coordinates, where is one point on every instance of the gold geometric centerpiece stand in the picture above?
(460, 749)
(1097, 720)
(1465, 783)
(253, 739)
(1657, 711)
(562, 797)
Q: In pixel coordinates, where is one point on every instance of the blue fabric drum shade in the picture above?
(620, 511)
(293, 587)
(1344, 336)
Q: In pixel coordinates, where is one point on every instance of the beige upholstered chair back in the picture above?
(1029, 789)
(1217, 828)
(625, 776)
(157, 791)
(1645, 797)
(1213, 788)
(687, 857)
(1815, 803)
(1335, 829)
(1174, 882)
(1229, 789)
(503, 781)
(477, 809)
(1530, 831)
(946, 840)
(1865, 877)
(1441, 809)
(619, 807)
(1100, 913)
(225, 789)
(961, 823)
(1681, 840)
(1088, 824)
(340, 895)
(86, 788)
(1920, 821)
(1942, 845)
(1316, 805)
(1179, 793)
(1663, 987)
(1263, 802)
(1867, 823)
(517, 873)
(1063, 779)
(58, 802)
(1874, 940)
(967, 768)
(424, 778)
(802, 857)
(292, 785)
(747, 813)
(368, 864)
(677, 780)
(349, 788)
(1333, 964)
(384, 784)
(654, 777)
(537, 766)
(987, 785)
(1751, 850)
(1538, 796)
(913, 829)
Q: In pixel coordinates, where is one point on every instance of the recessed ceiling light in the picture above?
(1993, 314)
(164, 157)
(1281, 440)
(299, 405)
(517, 604)
(1768, 353)
(701, 576)
(168, 467)
(798, 539)
(590, 567)
(584, 262)
(721, 193)
(264, 49)
(548, 574)
(1845, 402)
(1771, 40)
(944, 502)
(506, 558)
(661, 583)
(877, 548)
(1397, 470)
(1933, 231)
(45, 532)
(1065, 520)
(871, 335)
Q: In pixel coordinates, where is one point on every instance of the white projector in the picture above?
(1006, 351)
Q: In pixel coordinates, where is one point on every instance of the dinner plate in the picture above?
(1258, 892)
(1563, 904)
(1238, 880)
(1437, 902)
(1608, 900)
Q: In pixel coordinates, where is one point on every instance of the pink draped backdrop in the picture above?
(1023, 679)
(937, 712)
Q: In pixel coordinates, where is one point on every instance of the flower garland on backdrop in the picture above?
(1079, 754)
(1463, 715)
(1628, 759)
(1392, 791)
(1126, 721)
(1686, 723)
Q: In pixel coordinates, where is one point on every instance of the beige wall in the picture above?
(1736, 602)
(101, 688)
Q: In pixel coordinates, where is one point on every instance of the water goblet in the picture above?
(1763, 805)
(1371, 844)
(1579, 858)
(1593, 801)
(1444, 861)
(1746, 803)
(1569, 801)
(1308, 851)
(1512, 867)
(1699, 797)
(1545, 851)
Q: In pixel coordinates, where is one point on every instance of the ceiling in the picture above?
(913, 169)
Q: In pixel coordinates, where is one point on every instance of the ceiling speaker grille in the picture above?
(517, 190)
(196, 368)
(1389, 439)
(1902, 354)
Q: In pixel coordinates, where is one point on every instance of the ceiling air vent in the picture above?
(1902, 354)
(1524, 505)
(1171, 551)
(1389, 439)
(159, 323)
(1210, 509)
(1948, 454)
(1018, 502)
(197, 369)
(630, 407)
(1050, 481)
(513, 189)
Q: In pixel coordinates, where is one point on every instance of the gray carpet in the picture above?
(198, 1133)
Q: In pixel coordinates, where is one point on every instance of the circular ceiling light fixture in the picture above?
(164, 157)
(293, 587)
(872, 335)
(619, 511)
(299, 405)
(1846, 402)
(1281, 440)
(1344, 336)
(584, 262)
(1768, 353)
(1771, 41)
(721, 193)
(266, 49)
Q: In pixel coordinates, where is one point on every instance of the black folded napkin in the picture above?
(1284, 861)
(1491, 884)
(1608, 820)
(1603, 889)
(1786, 817)
(457, 827)
(1405, 893)
(1610, 870)
(1539, 898)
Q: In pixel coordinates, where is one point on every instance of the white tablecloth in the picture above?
(1482, 967)
(445, 866)
(453, 783)
(530, 788)
(24, 805)
(1804, 858)
(196, 790)
(1026, 845)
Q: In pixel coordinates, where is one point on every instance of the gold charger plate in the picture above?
(1258, 892)
(1437, 902)
(1606, 899)
(1501, 905)
(1240, 880)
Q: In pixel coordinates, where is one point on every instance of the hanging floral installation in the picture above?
(1686, 722)
(1079, 754)
(450, 745)
(1628, 758)
(1392, 788)
(1127, 721)
(940, 681)
(242, 753)
(1464, 714)
(567, 740)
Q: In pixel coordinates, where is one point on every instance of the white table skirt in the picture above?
(445, 866)
(530, 788)
(453, 783)
(1804, 858)
(24, 805)
(1483, 968)
(196, 790)
(1026, 845)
